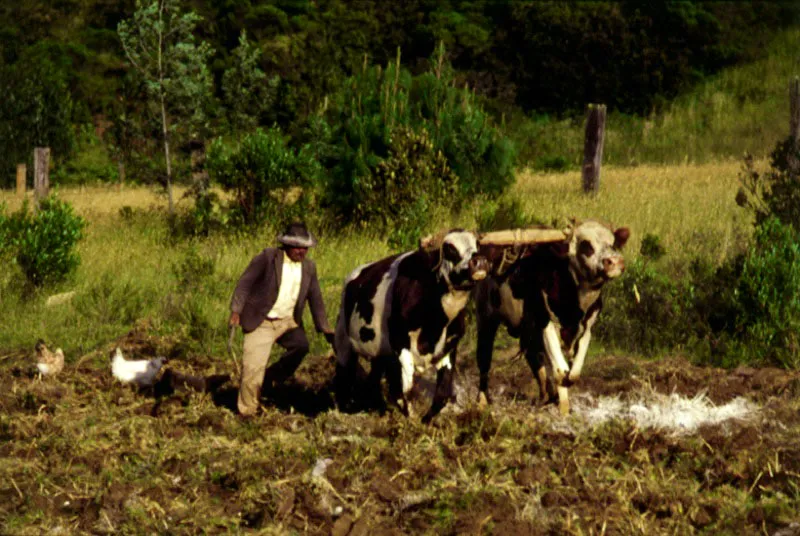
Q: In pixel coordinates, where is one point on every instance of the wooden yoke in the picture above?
(508, 237)
(521, 237)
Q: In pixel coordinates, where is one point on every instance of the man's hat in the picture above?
(296, 235)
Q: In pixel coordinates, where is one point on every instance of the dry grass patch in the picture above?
(692, 208)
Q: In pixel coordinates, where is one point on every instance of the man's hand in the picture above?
(330, 336)
(234, 319)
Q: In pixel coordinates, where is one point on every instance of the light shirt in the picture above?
(291, 275)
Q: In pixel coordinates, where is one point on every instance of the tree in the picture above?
(159, 42)
(248, 91)
(36, 111)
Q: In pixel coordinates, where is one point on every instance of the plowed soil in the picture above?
(82, 454)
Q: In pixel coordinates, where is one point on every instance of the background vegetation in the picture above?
(535, 65)
(377, 122)
(304, 112)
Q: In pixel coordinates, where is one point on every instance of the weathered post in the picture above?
(41, 174)
(593, 147)
(22, 172)
(794, 124)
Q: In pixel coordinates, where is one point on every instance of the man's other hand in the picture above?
(234, 319)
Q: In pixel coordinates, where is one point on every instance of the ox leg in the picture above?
(535, 358)
(487, 331)
(345, 378)
(375, 392)
(558, 363)
(583, 348)
(445, 374)
(394, 378)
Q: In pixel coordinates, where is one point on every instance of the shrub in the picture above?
(268, 178)
(193, 271)
(37, 110)
(114, 301)
(481, 156)
(7, 234)
(357, 134)
(651, 247)
(775, 193)
(45, 242)
(412, 170)
(90, 163)
(768, 292)
(644, 312)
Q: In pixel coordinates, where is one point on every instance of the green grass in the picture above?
(743, 108)
(132, 270)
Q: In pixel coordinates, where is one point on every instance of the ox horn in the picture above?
(432, 241)
(513, 237)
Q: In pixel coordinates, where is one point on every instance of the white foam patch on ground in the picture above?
(674, 413)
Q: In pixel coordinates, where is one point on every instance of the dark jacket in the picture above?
(257, 291)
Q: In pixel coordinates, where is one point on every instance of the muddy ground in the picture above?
(82, 454)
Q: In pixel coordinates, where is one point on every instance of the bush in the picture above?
(8, 234)
(37, 111)
(775, 193)
(481, 156)
(90, 163)
(111, 301)
(768, 292)
(268, 178)
(45, 242)
(649, 311)
(406, 187)
(644, 312)
(358, 137)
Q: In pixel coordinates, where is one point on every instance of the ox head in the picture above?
(459, 263)
(594, 251)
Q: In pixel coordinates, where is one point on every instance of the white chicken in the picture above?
(142, 372)
(48, 363)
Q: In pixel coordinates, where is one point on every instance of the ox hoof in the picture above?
(404, 407)
(483, 400)
(569, 381)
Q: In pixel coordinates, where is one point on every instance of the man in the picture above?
(268, 304)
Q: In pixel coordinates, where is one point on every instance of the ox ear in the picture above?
(621, 236)
(426, 242)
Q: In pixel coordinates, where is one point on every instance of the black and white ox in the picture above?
(405, 310)
(549, 298)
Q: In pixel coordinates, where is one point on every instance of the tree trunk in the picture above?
(164, 126)
(593, 147)
(166, 155)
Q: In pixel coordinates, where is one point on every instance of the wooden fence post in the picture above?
(22, 172)
(593, 147)
(41, 174)
(794, 123)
